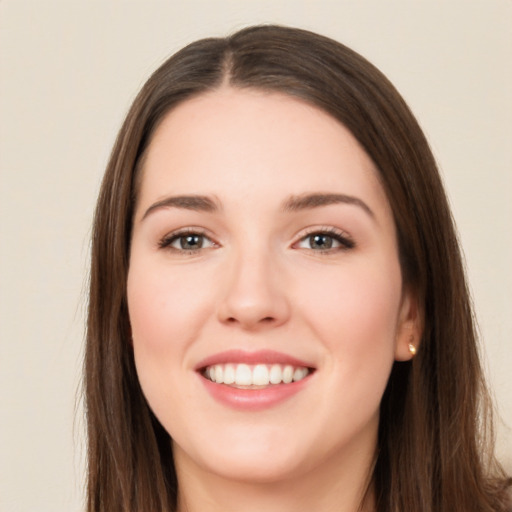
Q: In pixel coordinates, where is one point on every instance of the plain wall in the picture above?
(68, 73)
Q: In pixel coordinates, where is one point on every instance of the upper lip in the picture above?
(247, 357)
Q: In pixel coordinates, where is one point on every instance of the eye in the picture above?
(186, 241)
(328, 240)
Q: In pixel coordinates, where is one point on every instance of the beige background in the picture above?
(68, 72)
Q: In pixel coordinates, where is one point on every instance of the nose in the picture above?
(255, 295)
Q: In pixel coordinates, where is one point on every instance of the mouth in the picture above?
(255, 376)
(252, 381)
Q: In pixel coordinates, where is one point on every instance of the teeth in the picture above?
(288, 374)
(255, 375)
(276, 375)
(219, 374)
(229, 374)
(299, 374)
(260, 375)
(243, 375)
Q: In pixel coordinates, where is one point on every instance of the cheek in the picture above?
(166, 308)
(355, 310)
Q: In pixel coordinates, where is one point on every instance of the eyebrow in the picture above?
(316, 200)
(201, 203)
(188, 202)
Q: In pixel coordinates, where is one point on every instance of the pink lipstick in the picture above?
(253, 380)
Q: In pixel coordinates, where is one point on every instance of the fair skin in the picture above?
(262, 240)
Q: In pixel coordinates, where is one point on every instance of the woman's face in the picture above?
(264, 290)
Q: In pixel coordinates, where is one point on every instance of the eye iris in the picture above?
(189, 242)
(320, 241)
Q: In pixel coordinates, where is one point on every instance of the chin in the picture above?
(247, 461)
(265, 470)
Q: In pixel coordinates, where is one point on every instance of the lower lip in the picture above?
(253, 399)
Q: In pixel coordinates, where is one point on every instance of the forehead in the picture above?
(254, 141)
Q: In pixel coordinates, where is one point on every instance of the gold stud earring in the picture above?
(412, 348)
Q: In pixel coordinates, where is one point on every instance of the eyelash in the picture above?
(345, 241)
(341, 237)
(167, 241)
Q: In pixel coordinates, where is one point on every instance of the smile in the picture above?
(256, 376)
(253, 381)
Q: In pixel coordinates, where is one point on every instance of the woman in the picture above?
(278, 311)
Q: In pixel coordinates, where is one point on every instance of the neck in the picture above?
(333, 487)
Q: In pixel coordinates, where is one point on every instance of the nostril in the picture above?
(266, 320)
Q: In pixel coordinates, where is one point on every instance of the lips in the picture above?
(253, 380)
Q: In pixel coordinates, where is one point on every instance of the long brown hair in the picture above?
(434, 451)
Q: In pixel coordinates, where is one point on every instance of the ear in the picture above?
(409, 327)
